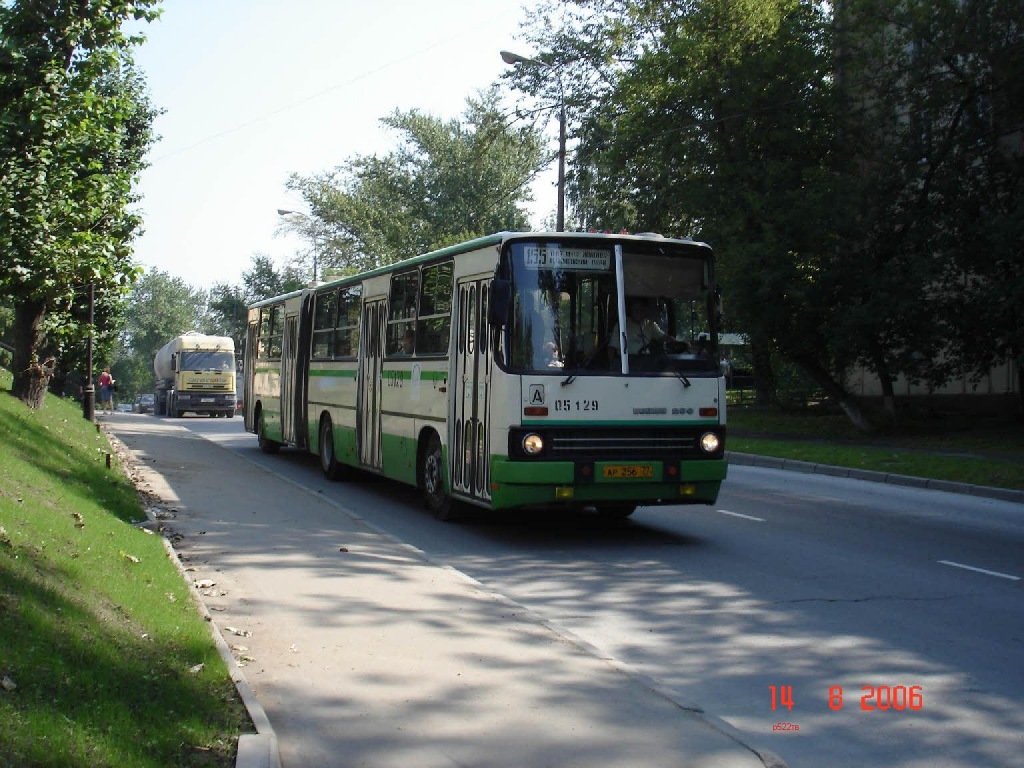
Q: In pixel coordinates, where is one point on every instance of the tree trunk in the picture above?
(30, 376)
(847, 402)
(888, 393)
(764, 377)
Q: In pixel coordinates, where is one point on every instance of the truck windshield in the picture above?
(565, 309)
(200, 360)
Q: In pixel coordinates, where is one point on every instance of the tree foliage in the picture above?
(933, 169)
(845, 160)
(228, 307)
(75, 124)
(446, 182)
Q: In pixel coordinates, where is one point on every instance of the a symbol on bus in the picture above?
(536, 394)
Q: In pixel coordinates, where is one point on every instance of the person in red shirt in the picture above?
(106, 384)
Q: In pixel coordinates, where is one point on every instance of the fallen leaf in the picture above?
(239, 632)
(131, 558)
(206, 583)
(196, 669)
(7, 684)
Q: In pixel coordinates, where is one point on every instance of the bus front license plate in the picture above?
(628, 471)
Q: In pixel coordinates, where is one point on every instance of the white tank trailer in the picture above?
(195, 373)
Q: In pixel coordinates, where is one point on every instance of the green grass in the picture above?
(112, 662)
(982, 450)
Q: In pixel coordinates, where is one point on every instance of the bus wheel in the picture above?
(328, 459)
(266, 445)
(435, 498)
(616, 511)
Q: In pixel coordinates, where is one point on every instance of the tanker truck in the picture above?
(195, 373)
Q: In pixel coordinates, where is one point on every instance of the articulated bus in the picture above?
(492, 373)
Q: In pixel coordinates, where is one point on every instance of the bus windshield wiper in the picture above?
(682, 378)
(601, 344)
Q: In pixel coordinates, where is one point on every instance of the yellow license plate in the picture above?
(628, 471)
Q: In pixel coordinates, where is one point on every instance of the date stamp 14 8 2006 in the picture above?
(873, 698)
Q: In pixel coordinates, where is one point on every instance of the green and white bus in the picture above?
(490, 373)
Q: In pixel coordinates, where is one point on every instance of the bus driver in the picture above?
(642, 330)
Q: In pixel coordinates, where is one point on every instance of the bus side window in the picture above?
(435, 310)
(401, 309)
(323, 325)
(346, 335)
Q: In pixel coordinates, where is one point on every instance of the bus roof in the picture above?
(498, 238)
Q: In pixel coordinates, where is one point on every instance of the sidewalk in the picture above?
(353, 649)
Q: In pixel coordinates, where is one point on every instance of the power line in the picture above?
(295, 104)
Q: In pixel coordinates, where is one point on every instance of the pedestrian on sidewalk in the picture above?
(106, 385)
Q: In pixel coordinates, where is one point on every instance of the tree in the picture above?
(227, 313)
(711, 120)
(932, 134)
(75, 125)
(845, 165)
(448, 181)
(262, 280)
(161, 307)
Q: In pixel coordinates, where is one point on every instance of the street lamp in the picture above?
(285, 213)
(514, 58)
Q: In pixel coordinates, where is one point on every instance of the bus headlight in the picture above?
(533, 444)
(709, 442)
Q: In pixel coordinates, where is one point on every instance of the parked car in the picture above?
(124, 408)
(144, 403)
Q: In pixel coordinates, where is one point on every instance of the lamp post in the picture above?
(89, 391)
(514, 58)
(284, 212)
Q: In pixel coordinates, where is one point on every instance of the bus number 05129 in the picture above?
(576, 405)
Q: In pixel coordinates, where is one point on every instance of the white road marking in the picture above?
(980, 570)
(737, 514)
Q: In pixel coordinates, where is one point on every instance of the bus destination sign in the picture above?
(537, 257)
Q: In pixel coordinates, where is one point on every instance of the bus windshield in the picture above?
(565, 309)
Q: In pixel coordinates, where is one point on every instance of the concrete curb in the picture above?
(255, 750)
(771, 462)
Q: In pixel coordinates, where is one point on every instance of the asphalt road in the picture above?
(910, 601)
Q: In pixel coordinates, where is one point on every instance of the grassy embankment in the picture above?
(105, 659)
(960, 448)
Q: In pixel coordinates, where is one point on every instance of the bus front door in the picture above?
(370, 383)
(468, 445)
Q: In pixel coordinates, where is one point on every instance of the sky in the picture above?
(255, 90)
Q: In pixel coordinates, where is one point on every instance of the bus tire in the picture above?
(266, 445)
(333, 469)
(435, 497)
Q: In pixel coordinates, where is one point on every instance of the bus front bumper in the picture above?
(581, 484)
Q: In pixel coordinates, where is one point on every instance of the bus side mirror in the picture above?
(499, 302)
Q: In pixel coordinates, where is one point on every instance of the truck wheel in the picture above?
(435, 497)
(266, 445)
